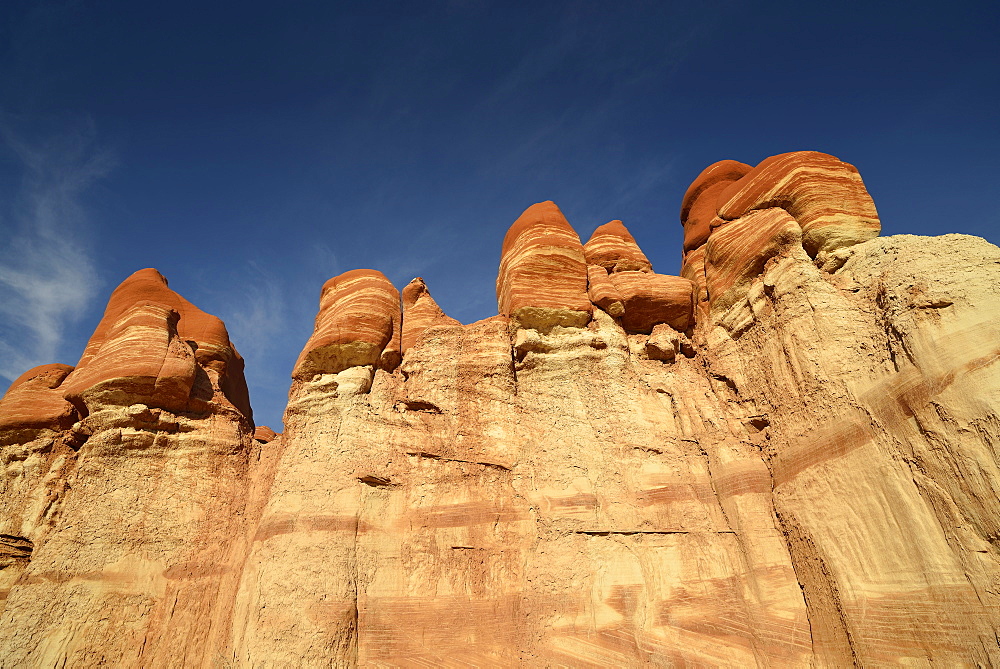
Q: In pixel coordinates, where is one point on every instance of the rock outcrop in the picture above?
(612, 247)
(358, 324)
(543, 272)
(420, 313)
(784, 457)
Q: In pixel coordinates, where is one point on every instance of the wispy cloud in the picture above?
(47, 275)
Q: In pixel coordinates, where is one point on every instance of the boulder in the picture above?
(651, 299)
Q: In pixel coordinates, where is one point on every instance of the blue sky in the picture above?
(252, 150)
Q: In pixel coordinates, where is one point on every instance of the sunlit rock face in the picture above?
(613, 247)
(420, 313)
(783, 457)
(543, 272)
(358, 324)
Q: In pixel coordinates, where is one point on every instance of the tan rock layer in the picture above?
(543, 274)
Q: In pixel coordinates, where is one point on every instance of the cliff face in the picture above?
(785, 457)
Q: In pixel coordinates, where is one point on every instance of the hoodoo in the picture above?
(785, 456)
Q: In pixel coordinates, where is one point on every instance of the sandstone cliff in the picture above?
(784, 457)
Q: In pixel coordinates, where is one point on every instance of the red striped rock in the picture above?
(824, 194)
(264, 434)
(602, 292)
(142, 360)
(651, 299)
(700, 203)
(357, 324)
(223, 382)
(613, 248)
(35, 402)
(736, 253)
(693, 269)
(420, 312)
(543, 275)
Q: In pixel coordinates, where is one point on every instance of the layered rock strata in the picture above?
(543, 272)
(800, 473)
(822, 195)
(358, 324)
(124, 515)
(420, 313)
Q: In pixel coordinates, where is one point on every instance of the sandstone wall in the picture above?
(785, 458)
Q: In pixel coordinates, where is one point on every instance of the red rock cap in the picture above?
(824, 194)
(613, 248)
(203, 333)
(420, 313)
(358, 324)
(543, 274)
(35, 402)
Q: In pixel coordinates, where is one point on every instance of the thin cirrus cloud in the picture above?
(48, 278)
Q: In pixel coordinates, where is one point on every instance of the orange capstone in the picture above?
(651, 299)
(543, 275)
(824, 194)
(602, 292)
(613, 248)
(34, 401)
(700, 203)
(358, 324)
(420, 312)
(144, 314)
(142, 360)
(264, 434)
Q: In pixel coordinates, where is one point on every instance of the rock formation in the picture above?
(801, 471)
(543, 272)
(420, 313)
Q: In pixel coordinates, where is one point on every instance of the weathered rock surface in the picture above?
(152, 346)
(602, 292)
(736, 254)
(543, 273)
(824, 194)
(654, 298)
(420, 313)
(358, 324)
(700, 205)
(121, 534)
(612, 247)
(807, 477)
(33, 402)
